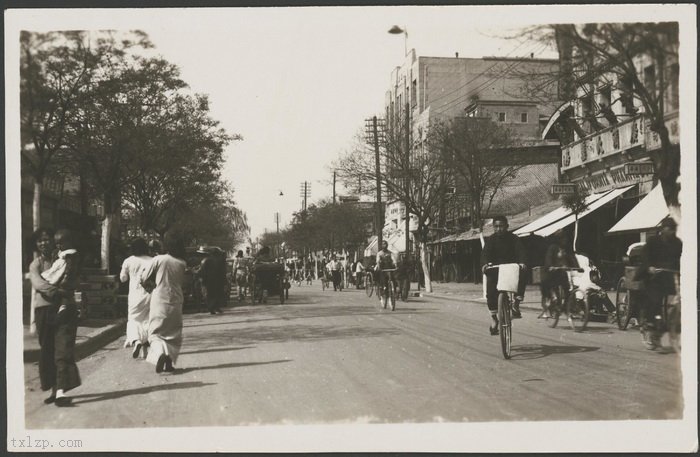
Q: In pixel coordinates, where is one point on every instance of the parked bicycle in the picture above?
(508, 277)
(369, 283)
(570, 301)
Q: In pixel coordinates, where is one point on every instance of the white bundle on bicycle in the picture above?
(508, 277)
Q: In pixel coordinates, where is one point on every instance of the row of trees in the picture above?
(102, 107)
(324, 226)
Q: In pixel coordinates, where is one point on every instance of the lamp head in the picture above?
(396, 30)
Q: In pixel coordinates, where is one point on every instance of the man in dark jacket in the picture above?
(662, 251)
(502, 247)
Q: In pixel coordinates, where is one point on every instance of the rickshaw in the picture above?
(267, 279)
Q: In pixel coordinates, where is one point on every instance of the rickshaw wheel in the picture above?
(623, 307)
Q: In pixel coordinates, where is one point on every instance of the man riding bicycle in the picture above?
(385, 261)
(502, 247)
(661, 252)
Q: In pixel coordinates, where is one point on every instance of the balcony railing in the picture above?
(615, 139)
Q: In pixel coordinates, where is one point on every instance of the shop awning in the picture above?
(397, 242)
(648, 213)
(371, 248)
(562, 217)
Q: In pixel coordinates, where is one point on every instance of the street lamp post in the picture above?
(396, 30)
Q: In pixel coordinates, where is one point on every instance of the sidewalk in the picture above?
(92, 335)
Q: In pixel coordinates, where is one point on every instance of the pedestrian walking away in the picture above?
(138, 299)
(55, 312)
(167, 271)
(212, 273)
(500, 248)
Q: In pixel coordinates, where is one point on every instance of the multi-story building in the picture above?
(428, 90)
(608, 146)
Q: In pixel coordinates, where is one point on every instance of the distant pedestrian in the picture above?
(334, 267)
(240, 274)
(139, 297)
(56, 314)
(165, 316)
(212, 273)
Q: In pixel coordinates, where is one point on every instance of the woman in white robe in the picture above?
(165, 317)
(139, 298)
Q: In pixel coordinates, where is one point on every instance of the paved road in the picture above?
(336, 357)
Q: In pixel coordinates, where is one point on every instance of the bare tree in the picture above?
(475, 150)
(410, 174)
(615, 52)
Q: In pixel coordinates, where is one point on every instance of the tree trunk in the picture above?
(106, 236)
(575, 231)
(426, 266)
(36, 204)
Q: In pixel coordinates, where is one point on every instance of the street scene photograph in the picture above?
(351, 229)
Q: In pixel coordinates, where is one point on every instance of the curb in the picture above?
(90, 344)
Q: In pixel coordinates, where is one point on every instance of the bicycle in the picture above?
(369, 283)
(506, 298)
(670, 319)
(387, 290)
(571, 301)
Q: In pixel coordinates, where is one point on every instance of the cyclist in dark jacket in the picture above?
(502, 247)
(662, 251)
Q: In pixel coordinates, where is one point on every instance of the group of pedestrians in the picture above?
(154, 321)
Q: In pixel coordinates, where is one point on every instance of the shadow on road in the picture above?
(537, 351)
(89, 398)
(225, 365)
(216, 350)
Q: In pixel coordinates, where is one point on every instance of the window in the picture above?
(501, 117)
(673, 84)
(650, 78)
(414, 89)
(523, 118)
(626, 97)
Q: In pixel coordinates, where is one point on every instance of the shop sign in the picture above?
(639, 169)
(563, 189)
(608, 179)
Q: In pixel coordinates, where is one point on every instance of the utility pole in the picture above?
(277, 221)
(305, 192)
(334, 187)
(372, 132)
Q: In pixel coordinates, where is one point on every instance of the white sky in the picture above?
(297, 83)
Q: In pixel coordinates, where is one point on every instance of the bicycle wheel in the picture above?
(505, 330)
(577, 312)
(622, 305)
(555, 306)
(369, 286)
(392, 295)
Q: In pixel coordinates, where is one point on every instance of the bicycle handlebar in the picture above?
(388, 269)
(580, 270)
(492, 267)
(666, 270)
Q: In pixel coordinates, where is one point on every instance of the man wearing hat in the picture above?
(661, 251)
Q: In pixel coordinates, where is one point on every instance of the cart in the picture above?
(268, 279)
